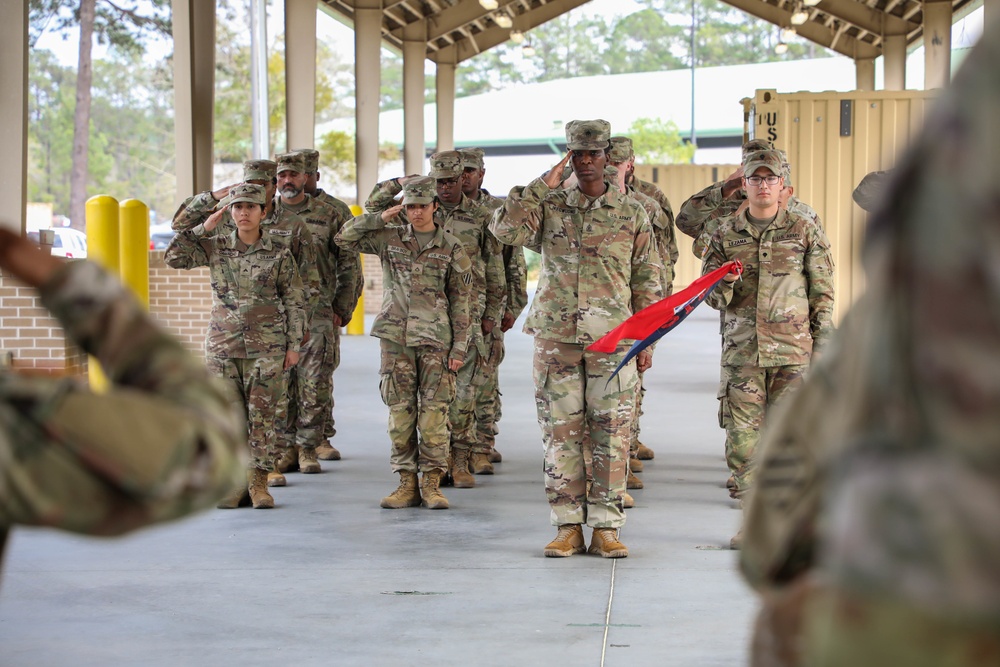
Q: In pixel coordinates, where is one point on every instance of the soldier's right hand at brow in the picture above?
(214, 219)
(391, 213)
(554, 177)
(221, 193)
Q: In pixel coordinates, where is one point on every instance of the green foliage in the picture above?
(656, 141)
(122, 24)
(337, 151)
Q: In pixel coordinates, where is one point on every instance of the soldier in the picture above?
(873, 525)
(595, 246)
(622, 157)
(776, 316)
(161, 442)
(423, 327)
(311, 383)
(466, 221)
(258, 321)
(488, 407)
(326, 451)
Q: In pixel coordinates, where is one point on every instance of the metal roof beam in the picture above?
(861, 16)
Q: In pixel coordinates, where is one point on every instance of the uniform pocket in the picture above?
(387, 384)
(725, 415)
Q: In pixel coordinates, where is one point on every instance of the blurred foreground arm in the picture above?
(163, 441)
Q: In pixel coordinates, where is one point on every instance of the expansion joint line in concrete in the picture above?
(607, 613)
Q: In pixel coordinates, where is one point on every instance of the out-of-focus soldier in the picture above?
(467, 221)
(776, 316)
(258, 322)
(488, 404)
(873, 532)
(163, 441)
(424, 329)
(596, 272)
(310, 390)
(325, 451)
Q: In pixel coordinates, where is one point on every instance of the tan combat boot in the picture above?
(407, 495)
(633, 482)
(239, 497)
(644, 453)
(605, 543)
(288, 461)
(430, 490)
(628, 502)
(635, 465)
(495, 456)
(257, 485)
(308, 464)
(568, 541)
(737, 542)
(460, 475)
(275, 478)
(480, 463)
(327, 452)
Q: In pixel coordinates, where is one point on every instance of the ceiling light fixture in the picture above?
(517, 36)
(799, 17)
(489, 5)
(787, 34)
(810, 3)
(527, 50)
(503, 20)
(781, 48)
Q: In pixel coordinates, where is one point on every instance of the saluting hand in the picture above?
(391, 213)
(214, 219)
(554, 177)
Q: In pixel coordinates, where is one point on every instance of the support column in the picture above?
(414, 57)
(894, 60)
(300, 73)
(14, 113)
(368, 78)
(937, 44)
(991, 9)
(445, 95)
(865, 73)
(194, 94)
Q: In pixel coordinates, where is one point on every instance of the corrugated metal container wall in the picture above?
(678, 182)
(833, 140)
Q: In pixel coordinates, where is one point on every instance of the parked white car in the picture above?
(68, 242)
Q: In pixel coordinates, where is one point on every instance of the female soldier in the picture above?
(258, 320)
(423, 327)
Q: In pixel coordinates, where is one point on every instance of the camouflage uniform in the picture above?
(878, 484)
(343, 214)
(311, 382)
(776, 314)
(257, 315)
(488, 404)
(467, 222)
(595, 274)
(162, 442)
(423, 323)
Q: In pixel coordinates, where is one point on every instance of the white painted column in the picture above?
(894, 52)
(937, 44)
(368, 77)
(194, 94)
(14, 113)
(445, 96)
(300, 73)
(414, 57)
(865, 73)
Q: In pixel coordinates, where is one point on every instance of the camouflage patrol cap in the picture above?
(311, 158)
(472, 158)
(786, 169)
(621, 150)
(446, 164)
(587, 134)
(421, 190)
(244, 192)
(291, 162)
(755, 146)
(769, 158)
(259, 170)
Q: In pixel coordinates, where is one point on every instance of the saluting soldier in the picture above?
(424, 330)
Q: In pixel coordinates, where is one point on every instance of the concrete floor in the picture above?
(329, 578)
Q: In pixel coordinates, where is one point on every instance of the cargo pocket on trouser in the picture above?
(446, 387)
(387, 383)
(725, 414)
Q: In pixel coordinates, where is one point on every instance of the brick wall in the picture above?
(32, 336)
(372, 268)
(181, 301)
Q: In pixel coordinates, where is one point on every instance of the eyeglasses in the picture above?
(757, 180)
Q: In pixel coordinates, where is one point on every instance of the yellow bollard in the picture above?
(102, 247)
(356, 327)
(133, 250)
